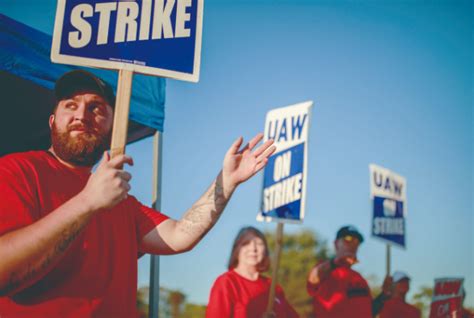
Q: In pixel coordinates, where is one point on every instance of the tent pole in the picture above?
(154, 295)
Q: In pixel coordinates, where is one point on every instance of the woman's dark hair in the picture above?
(244, 237)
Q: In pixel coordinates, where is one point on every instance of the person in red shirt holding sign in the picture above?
(396, 306)
(338, 291)
(69, 237)
(242, 292)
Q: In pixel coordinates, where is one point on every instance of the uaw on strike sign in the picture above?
(284, 177)
(388, 194)
(447, 298)
(155, 37)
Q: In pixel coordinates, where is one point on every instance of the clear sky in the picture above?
(392, 85)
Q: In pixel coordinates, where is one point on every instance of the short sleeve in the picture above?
(220, 299)
(146, 218)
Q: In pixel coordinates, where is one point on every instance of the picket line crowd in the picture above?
(70, 236)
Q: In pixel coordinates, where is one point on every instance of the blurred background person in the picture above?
(243, 291)
(393, 303)
(337, 290)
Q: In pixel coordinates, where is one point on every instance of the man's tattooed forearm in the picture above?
(31, 271)
(205, 213)
(68, 236)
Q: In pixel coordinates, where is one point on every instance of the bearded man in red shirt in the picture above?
(70, 236)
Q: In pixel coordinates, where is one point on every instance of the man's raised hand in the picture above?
(241, 165)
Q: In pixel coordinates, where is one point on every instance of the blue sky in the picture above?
(392, 85)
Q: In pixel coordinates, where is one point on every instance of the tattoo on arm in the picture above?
(206, 211)
(33, 269)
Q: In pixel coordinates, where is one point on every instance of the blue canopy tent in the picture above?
(27, 78)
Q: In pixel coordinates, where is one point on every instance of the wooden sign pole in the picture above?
(122, 108)
(388, 257)
(276, 264)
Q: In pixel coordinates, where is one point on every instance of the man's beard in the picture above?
(83, 150)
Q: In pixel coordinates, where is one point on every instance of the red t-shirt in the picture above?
(235, 296)
(344, 293)
(97, 275)
(396, 308)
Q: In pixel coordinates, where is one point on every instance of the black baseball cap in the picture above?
(349, 230)
(81, 80)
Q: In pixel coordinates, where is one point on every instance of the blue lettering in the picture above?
(387, 184)
(297, 126)
(270, 134)
(379, 182)
(398, 188)
(282, 134)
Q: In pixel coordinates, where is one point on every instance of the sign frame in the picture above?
(280, 148)
(372, 168)
(57, 57)
(444, 302)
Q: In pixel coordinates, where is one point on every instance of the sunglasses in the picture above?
(349, 239)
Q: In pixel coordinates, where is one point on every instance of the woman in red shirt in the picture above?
(242, 291)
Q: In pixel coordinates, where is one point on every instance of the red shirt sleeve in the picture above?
(220, 300)
(146, 218)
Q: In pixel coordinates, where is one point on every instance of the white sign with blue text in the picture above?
(284, 177)
(155, 37)
(388, 195)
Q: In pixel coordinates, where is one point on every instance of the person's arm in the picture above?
(321, 271)
(30, 252)
(379, 301)
(172, 236)
(377, 304)
(318, 274)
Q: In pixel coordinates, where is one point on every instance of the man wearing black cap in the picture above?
(70, 238)
(337, 290)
